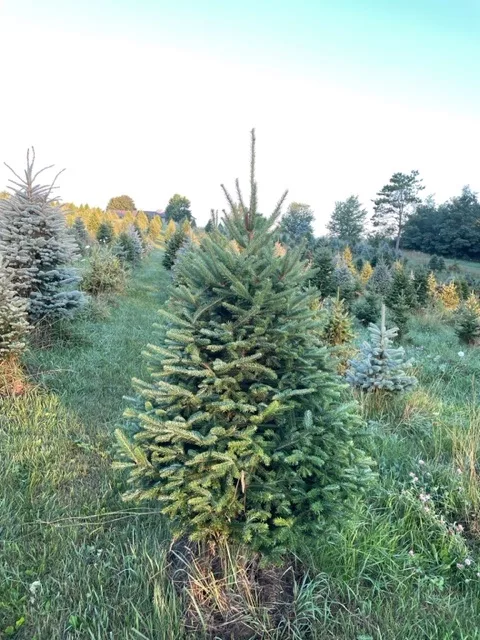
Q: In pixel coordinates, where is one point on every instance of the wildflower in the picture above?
(414, 479)
(478, 574)
(460, 565)
(35, 586)
(424, 497)
(421, 462)
(468, 561)
(461, 354)
(411, 553)
(459, 528)
(426, 509)
(459, 470)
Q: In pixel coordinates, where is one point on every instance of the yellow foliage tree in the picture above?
(93, 218)
(431, 286)
(448, 296)
(170, 230)
(366, 272)
(473, 303)
(142, 221)
(127, 221)
(155, 228)
(348, 258)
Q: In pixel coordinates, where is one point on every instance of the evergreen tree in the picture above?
(402, 286)
(173, 245)
(296, 225)
(324, 266)
(420, 283)
(37, 247)
(468, 321)
(432, 286)
(105, 234)
(396, 201)
(80, 234)
(13, 317)
(347, 257)
(128, 246)
(344, 281)
(348, 220)
(367, 308)
(241, 432)
(380, 367)
(381, 279)
(436, 263)
(401, 309)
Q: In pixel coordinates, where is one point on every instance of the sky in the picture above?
(155, 97)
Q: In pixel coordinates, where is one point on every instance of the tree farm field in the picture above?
(77, 562)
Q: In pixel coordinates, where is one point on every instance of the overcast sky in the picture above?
(150, 98)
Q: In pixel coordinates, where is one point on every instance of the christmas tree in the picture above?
(241, 433)
(173, 245)
(344, 281)
(80, 234)
(402, 288)
(381, 279)
(468, 321)
(37, 247)
(380, 367)
(105, 233)
(128, 246)
(322, 276)
(13, 317)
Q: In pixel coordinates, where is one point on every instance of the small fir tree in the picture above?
(467, 325)
(324, 267)
(380, 367)
(401, 310)
(37, 247)
(241, 432)
(436, 263)
(381, 280)
(420, 283)
(173, 245)
(367, 308)
(402, 287)
(344, 281)
(13, 317)
(80, 234)
(366, 273)
(105, 233)
(212, 222)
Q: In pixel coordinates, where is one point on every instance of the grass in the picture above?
(418, 257)
(77, 563)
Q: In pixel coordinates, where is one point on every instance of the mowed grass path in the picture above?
(76, 562)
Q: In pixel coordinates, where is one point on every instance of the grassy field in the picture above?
(469, 266)
(76, 562)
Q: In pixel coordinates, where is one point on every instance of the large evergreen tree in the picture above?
(13, 317)
(395, 202)
(37, 247)
(241, 431)
(347, 222)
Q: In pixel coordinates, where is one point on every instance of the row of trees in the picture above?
(451, 229)
(178, 208)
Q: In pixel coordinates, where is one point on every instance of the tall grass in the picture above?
(75, 562)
